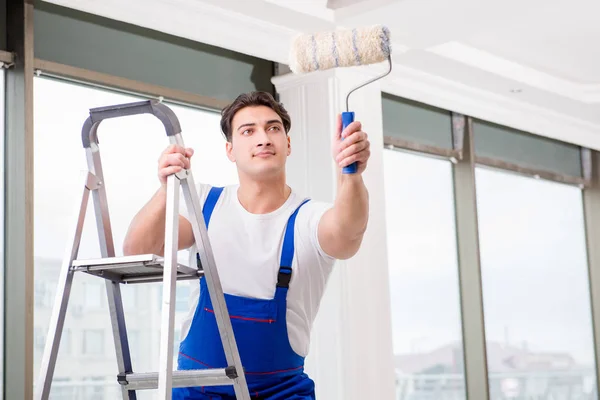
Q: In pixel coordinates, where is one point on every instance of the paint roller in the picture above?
(342, 48)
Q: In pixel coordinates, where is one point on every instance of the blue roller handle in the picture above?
(347, 119)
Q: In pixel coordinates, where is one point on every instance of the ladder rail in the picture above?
(165, 376)
(107, 249)
(89, 132)
(213, 282)
(61, 299)
(89, 136)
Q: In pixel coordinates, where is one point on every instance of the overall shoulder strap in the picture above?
(287, 251)
(209, 204)
(207, 210)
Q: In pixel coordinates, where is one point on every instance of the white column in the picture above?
(351, 356)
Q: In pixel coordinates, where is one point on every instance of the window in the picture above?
(182, 295)
(525, 149)
(38, 340)
(41, 294)
(177, 334)
(94, 294)
(181, 298)
(415, 122)
(129, 297)
(535, 288)
(62, 389)
(424, 289)
(93, 388)
(129, 148)
(72, 37)
(93, 342)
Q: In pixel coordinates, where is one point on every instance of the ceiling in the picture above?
(540, 51)
(519, 57)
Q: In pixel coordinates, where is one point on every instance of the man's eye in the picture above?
(246, 132)
(275, 128)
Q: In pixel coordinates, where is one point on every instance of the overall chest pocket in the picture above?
(250, 310)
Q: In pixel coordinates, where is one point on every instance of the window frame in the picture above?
(465, 160)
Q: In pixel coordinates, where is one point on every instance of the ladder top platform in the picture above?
(132, 269)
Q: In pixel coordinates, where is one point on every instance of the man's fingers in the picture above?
(177, 149)
(350, 129)
(185, 162)
(352, 149)
(181, 160)
(338, 126)
(352, 145)
(353, 138)
(348, 160)
(363, 156)
(175, 159)
(165, 172)
(174, 148)
(169, 160)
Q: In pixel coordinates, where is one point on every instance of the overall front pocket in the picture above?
(256, 328)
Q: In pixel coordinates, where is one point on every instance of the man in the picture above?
(273, 248)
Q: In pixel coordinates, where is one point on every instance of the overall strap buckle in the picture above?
(284, 277)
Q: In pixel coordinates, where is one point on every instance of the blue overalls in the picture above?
(273, 370)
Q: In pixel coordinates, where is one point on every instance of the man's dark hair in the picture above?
(252, 99)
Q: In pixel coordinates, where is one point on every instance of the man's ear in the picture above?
(289, 147)
(229, 151)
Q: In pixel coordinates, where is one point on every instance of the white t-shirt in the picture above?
(247, 252)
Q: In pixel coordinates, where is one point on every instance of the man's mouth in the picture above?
(264, 153)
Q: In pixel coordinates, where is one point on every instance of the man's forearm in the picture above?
(351, 206)
(342, 227)
(146, 234)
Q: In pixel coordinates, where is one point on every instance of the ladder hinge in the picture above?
(122, 379)
(231, 372)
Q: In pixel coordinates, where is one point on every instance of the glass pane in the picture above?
(72, 37)
(416, 122)
(535, 288)
(423, 277)
(93, 342)
(130, 148)
(525, 149)
(2, 136)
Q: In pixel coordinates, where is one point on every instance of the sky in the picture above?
(531, 231)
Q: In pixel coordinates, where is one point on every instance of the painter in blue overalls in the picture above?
(274, 248)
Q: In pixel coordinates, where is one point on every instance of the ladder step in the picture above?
(132, 269)
(187, 378)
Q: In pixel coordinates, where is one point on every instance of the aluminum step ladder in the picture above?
(142, 269)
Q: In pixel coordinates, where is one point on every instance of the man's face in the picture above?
(259, 145)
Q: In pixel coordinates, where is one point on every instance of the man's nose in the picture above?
(263, 138)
